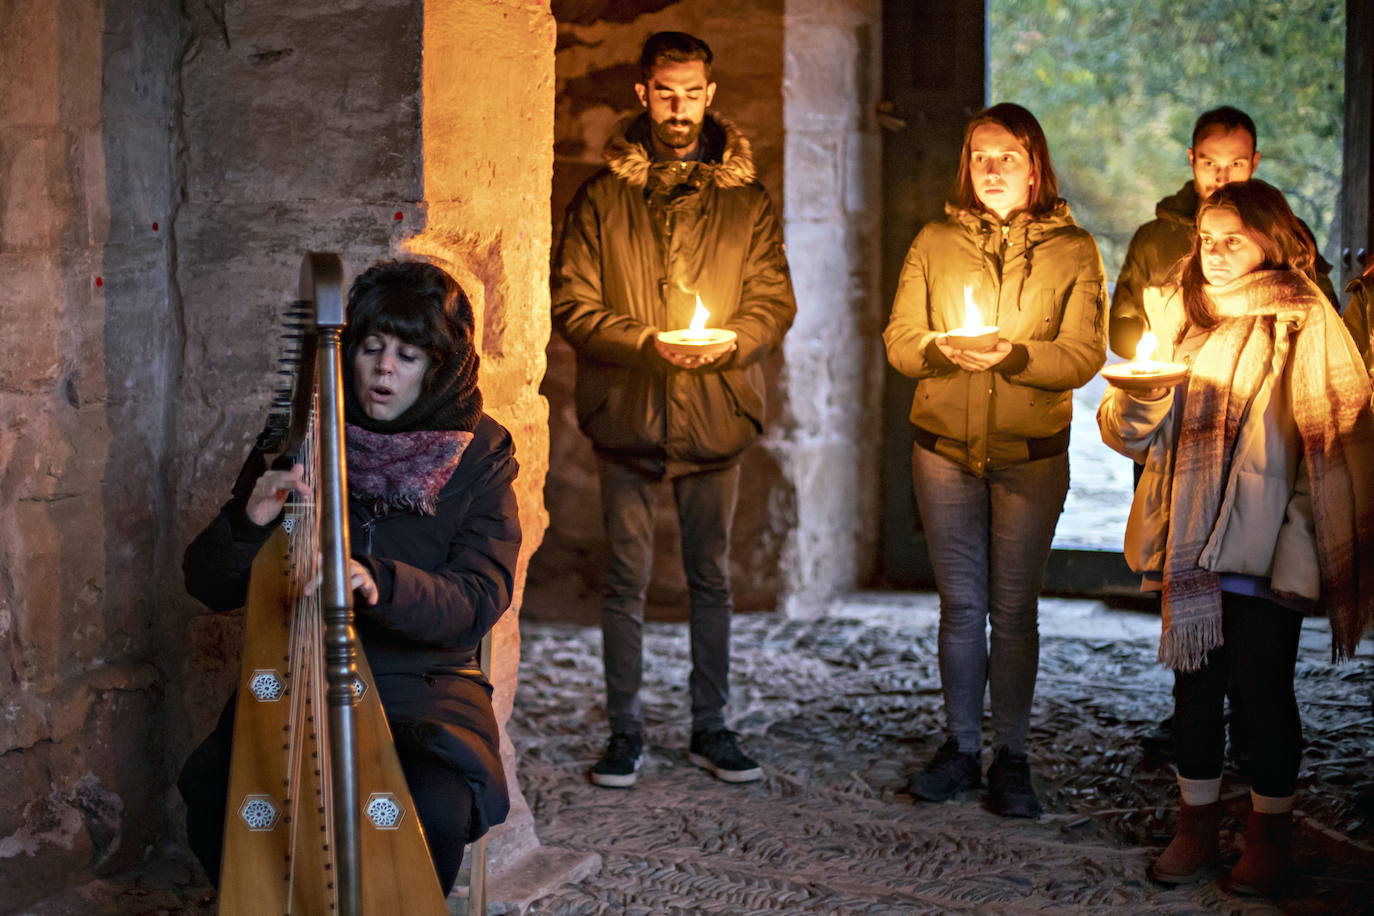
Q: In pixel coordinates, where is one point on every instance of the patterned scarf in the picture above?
(402, 472)
(1263, 314)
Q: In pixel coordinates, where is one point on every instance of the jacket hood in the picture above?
(1180, 207)
(1022, 223)
(727, 158)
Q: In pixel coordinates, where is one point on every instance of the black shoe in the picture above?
(948, 773)
(1010, 792)
(716, 750)
(618, 768)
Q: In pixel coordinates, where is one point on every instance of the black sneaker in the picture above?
(948, 773)
(618, 768)
(716, 750)
(1010, 792)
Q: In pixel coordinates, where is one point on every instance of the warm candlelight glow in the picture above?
(1146, 348)
(699, 317)
(1144, 373)
(697, 340)
(973, 334)
(972, 317)
(1143, 365)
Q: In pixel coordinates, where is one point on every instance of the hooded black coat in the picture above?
(443, 581)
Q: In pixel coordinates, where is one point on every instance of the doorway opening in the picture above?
(1117, 86)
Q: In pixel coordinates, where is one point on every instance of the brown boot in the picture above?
(1266, 867)
(1194, 850)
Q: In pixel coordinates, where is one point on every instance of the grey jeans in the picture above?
(705, 511)
(989, 539)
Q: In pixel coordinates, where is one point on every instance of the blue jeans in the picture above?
(705, 511)
(989, 539)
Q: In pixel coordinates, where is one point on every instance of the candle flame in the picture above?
(972, 317)
(1146, 348)
(699, 317)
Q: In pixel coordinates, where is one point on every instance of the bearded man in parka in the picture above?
(1224, 149)
(676, 218)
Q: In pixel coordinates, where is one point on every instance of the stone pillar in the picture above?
(486, 152)
(85, 203)
(829, 448)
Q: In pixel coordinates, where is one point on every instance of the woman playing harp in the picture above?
(434, 536)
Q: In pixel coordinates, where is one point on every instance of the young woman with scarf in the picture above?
(1255, 504)
(990, 464)
(435, 535)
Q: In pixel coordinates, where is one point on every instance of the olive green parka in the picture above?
(1039, 279)
(642, 240)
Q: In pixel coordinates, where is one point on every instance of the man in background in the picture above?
(1224, 149)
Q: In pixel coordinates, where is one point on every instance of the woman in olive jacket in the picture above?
(435, 534)
(990, 464)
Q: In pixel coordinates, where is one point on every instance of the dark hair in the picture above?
(1285, 242)
(1227, 117)
(1022, 125)
(674, 47)
(414, 301)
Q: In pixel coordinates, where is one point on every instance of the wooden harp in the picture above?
(319, 819)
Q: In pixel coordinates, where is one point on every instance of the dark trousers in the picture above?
(989, 539)
(705, 511)
(1255, 662)
(443, 799)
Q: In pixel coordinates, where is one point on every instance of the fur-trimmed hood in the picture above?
(727, 160)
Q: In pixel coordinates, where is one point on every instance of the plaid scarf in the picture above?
(1264, 315)
(402, 472)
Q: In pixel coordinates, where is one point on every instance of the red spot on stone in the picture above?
(399, 216)
(99, 281)
(154, 227)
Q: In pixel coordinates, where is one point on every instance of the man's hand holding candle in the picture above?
(689, 360)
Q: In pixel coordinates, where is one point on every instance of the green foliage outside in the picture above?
(1117, 85)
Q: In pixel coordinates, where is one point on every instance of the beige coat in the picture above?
(1264, 527)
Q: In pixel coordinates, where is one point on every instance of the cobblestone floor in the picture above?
(839, 711)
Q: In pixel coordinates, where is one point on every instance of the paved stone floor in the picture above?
(839, 711)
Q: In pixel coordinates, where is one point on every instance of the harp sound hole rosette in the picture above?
(258, 812)
(266, 686)
(383, 811)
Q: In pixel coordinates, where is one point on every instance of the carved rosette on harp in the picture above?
(308, 723)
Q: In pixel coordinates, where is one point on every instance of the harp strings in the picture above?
(308, 762)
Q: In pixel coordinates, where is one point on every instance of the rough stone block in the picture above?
(303, 102)
(822, 76)
(816, 168)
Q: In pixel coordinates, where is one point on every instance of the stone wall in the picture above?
(322, 126)
(800, 83)
(89, 328)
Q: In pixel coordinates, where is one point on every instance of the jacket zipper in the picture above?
(371, 521)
